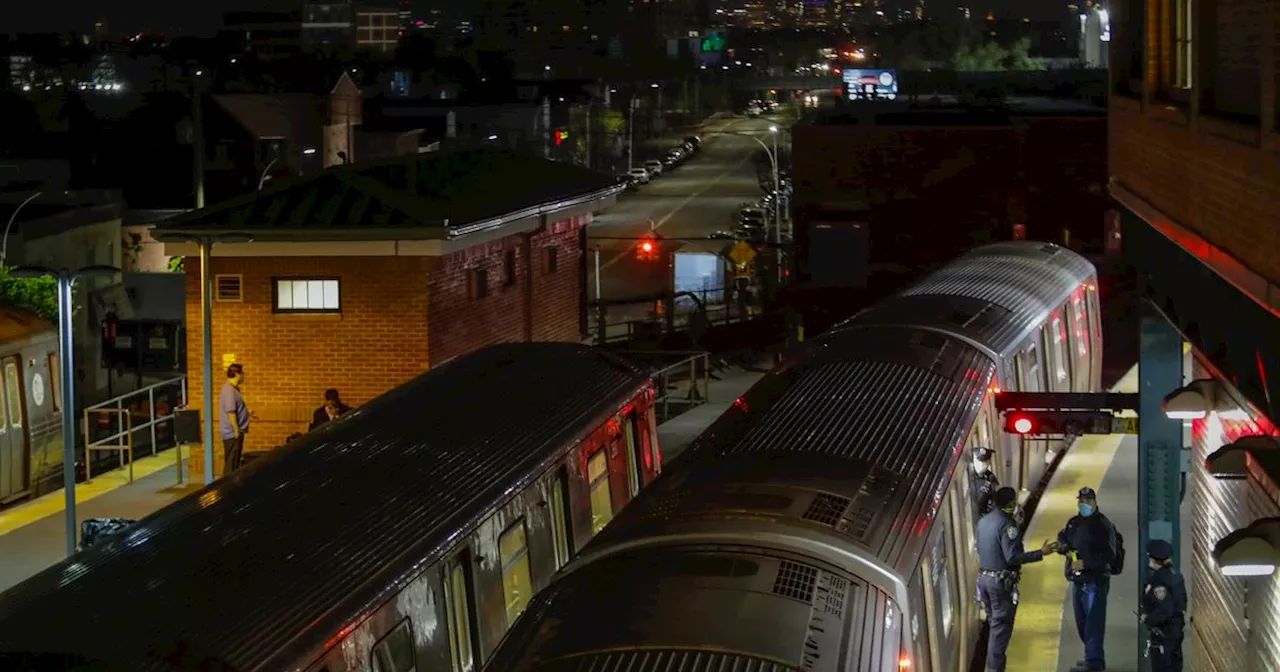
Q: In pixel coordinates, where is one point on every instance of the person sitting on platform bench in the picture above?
(330, 410)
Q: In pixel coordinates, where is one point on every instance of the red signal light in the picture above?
(647, 249)
(1023, 425)
(646, 246)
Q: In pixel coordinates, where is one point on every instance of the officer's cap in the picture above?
(1159, 549)
(1005, 496)
(982, 454)
(1087, 493)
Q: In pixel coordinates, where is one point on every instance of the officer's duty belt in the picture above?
(998, 573)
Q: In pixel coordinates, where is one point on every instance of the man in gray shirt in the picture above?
(233, 418)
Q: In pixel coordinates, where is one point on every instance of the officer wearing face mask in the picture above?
(1164, 603)
(1001, 556)
(985, 480)
(1090, 543)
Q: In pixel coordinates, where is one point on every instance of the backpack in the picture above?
(1117, 561)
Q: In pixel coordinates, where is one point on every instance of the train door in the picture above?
(1095, 334)
(963, 543)
(464, 641)
(635, 469)
(1058, 364)
(1031, 378)
(13, 439)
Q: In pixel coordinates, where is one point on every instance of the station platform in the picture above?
(33, 534)
(722, 390)
(1044, 634)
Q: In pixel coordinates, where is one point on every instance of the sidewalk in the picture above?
(677, 433)
(33, 534)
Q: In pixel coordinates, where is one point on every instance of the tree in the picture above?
(989, 57)
(38, 295)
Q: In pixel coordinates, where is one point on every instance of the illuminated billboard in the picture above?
(871, 84)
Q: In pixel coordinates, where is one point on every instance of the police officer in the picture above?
(1164, 601)
(1089, 542)
(1001, 557)
(986, 480)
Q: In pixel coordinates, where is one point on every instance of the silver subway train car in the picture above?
(406, 535)
(826, 521)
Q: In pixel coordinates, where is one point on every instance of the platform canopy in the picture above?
(422, 196)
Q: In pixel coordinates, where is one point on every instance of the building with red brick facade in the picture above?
(361, 277)
(1194, 138)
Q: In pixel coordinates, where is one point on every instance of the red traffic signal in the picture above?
(1058, 423)
(1019, 423)
(560, 136)
(647, 249)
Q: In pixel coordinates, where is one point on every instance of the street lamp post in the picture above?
(773, 164)
(206, 243)
(4, 247)
(66, 279)
(631, 132)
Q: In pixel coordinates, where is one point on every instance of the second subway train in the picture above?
(826, 521)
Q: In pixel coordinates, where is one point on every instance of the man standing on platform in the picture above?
(986, 480)
(233, 416)
(1092, 546)
(1001, 556)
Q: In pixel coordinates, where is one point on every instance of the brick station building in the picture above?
(363, 276)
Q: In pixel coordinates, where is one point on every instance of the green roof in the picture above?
(437, 191)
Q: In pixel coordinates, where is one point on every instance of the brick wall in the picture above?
(377, 342)
(1215, 180)
(556, 311)
(400, 315)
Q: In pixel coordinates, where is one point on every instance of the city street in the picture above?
(698, 198)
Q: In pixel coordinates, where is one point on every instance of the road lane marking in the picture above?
(680, 206)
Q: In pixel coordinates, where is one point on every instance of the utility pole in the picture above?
(590, 161)
(631, 132)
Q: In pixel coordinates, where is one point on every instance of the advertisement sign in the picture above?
(871, 84)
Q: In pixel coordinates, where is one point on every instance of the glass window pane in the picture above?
(284, 295)
(55, 381)
(601, 497)
(14, 392)
(330, 294)
(461, 617)
(315, 294)
(517, 584)
(299, 289)
(633, 465)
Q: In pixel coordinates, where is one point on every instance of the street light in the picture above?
(66, 369)
(773, 162)
(4, 247)
(206, 243)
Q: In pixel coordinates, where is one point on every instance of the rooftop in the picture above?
(432, 195)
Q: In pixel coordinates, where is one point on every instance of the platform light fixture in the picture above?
(1251, 552)
(1192, 402)
(1231, 461)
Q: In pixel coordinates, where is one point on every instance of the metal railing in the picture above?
(118, 424)
(629, 319)
(682, 379)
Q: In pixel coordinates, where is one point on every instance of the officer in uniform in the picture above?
(1001, 557)
(1164, 601)
(986, 480)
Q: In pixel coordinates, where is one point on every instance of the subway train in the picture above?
(826, 521)
(30, 399)
(407, 535)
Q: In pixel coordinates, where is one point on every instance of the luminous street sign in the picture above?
(742, 253)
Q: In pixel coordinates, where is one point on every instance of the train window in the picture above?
(1031, 378)
(13, 391)
(561, 525)
(394, 653)
(517, 585)
(601, 497)
(634, 474)
(55, 382)
(458, 594)
(1058, 337)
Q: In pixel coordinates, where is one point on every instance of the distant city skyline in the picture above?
(124, 16)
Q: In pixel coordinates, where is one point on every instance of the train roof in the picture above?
(994, 295)
(910, 397)
(18, 326)
(325, 523)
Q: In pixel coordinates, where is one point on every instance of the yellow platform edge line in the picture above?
(1037, 633)
(54, 503)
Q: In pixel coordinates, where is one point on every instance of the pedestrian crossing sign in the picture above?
(742, 253)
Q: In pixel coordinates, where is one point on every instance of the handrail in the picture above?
(124, 437)
(697, 379)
